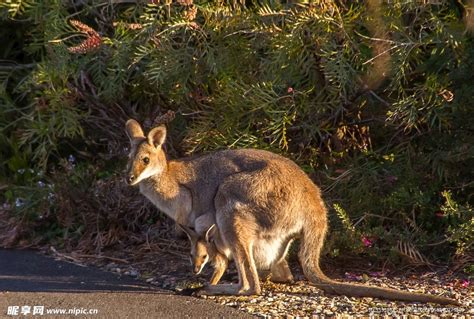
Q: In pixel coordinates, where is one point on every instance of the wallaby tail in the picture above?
(310, 249)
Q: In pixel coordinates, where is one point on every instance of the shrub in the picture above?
(374, 101)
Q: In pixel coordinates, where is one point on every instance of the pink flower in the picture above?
(352, 276)
(290, 90)
(377, 274)
(439, 213)
(465, 283)
(391, 179)
(367, 242)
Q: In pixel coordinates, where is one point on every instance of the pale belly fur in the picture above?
(265, 252)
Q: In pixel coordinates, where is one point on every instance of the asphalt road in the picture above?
(45, 287)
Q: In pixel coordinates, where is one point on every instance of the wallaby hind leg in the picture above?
(220, 266)
(248, 276)
(242, 235)
(281, 272)
(238, 236)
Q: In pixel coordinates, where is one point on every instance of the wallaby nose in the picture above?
(130, 178)
(196, 270)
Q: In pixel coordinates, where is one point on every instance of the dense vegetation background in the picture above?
(375, 100)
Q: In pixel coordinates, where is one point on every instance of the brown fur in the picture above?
(204, 250)
(261, 202)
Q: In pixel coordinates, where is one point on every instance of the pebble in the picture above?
(111, 266)
(328, 312)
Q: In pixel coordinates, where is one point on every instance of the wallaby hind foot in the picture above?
(247, 291)
(227, 289)
(240, 235)
(216, 290)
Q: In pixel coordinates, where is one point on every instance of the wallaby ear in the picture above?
(210, 232)
(192, 235)
(157, 136)
(134, 130)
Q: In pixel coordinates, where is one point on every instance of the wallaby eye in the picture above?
(146, 160)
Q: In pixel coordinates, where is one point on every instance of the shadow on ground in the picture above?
(29, 271)
(29, 279)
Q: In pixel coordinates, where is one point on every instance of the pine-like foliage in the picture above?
(372, 98)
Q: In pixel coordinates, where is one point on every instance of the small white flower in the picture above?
(41, 184)
(19, 202)
(71, 159)
(21, 171)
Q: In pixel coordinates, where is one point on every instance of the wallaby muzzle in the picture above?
(197, 270)
(130, 178)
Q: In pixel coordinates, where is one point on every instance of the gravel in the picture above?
(302, 300)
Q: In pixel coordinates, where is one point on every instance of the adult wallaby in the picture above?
(261, 202)
(204, 250)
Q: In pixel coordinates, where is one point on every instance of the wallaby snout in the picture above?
(200, 260)
(130, 178)
(197, 269)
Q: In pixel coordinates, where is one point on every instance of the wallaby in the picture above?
(204, 250)
(260, 201)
